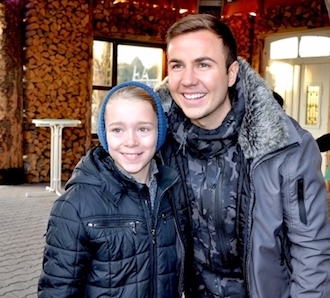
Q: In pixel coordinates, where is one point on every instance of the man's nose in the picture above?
(189, 77)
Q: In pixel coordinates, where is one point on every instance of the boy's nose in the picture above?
(131, 139)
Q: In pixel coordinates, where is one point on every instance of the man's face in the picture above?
(198, 79)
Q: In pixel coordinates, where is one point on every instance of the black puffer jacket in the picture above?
(103, 240)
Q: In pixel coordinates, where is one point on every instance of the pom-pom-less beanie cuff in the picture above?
(162, 125)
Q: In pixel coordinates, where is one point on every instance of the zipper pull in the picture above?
(153, 233)
(164, 218)
(133, 226)
(215, 182)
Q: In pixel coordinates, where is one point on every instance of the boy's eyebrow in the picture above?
(123, 123)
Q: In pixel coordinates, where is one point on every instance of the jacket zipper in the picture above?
(179, 232)
(201, 205)
(301, 203)
(218, 218)
(114, 224)
(153, 225)
(151, 228)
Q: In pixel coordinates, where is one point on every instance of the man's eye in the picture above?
(203, 65)
(144, 129)
(174, 66)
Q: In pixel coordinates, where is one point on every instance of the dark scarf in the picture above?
(207, 143)
(218, 150)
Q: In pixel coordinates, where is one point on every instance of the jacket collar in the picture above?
(265, 125)
(97, 169)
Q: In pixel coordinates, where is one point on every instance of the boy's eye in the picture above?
(144, 129)
(116, 130)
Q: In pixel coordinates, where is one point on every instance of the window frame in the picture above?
(114, 58)
(321, 32)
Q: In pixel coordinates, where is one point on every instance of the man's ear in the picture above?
(232, 73)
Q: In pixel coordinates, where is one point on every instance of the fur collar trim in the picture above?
(264, 128)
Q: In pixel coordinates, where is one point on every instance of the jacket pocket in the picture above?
(115, 238)
(301, 201)
(114, 223)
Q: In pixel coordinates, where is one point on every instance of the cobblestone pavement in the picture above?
(23, 222)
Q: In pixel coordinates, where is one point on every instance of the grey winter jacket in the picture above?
(103, 240)
(283, 224)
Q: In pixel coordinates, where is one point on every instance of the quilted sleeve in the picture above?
(65, 256)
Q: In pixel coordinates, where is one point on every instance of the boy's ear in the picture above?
(232, 73)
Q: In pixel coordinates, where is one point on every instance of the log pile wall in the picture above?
(58, 54)
(135, 21)
(58, 73)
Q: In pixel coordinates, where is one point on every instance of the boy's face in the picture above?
(198, 78)
(132, 131)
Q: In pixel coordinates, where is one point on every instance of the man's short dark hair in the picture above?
(197, 22)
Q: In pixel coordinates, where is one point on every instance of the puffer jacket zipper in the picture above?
(152, 221)
(151, 228)
(218, 215)
(180, 237)
(178, 229)
(176, 224)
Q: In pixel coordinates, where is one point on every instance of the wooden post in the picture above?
(11, 89)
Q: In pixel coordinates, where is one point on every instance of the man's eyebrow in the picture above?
(204, 58)
(200, 59)
(174, 61)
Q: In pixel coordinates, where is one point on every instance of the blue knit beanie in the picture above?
(101, 131)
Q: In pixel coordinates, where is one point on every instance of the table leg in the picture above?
(55, 162)
(53, 155)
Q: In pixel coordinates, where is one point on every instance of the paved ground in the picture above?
(23, 222)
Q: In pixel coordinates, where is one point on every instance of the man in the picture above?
(253, 179)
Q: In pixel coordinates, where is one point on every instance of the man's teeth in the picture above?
(194, 96)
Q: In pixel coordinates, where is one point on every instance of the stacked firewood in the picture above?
(58, 43)
(307, 14)
(58, 55)
(143, 21)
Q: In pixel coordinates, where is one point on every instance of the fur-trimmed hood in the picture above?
(265, 126)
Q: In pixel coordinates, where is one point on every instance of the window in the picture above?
(115, 62)
(314, 46)
(284, 48)
(300, 47)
